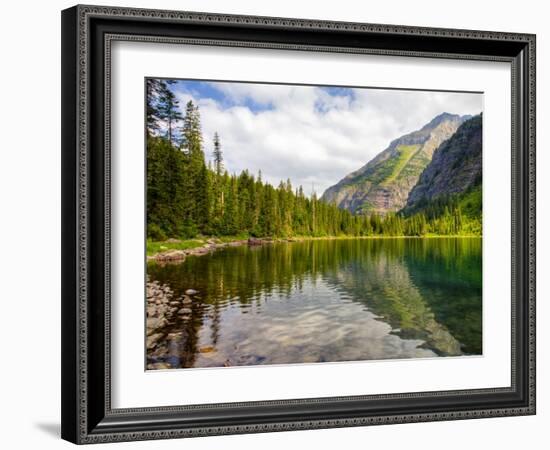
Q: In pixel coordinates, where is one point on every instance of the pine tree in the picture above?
(202, 203)
(196, 189)
(218, 157)
(156, 90)
(231, 211)
(191, 130)
(168, 112)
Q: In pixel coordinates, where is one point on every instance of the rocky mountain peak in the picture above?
(384, 183)
(442, 118)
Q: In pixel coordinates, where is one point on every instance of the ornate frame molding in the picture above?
(87, 423)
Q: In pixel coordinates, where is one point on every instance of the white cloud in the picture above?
(311, 136)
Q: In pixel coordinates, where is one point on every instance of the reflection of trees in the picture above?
(427, 288)
(449, 278)
(383, 284)
(403, 280)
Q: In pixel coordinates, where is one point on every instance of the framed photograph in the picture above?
(279, 224)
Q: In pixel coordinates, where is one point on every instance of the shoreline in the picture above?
(211, 244)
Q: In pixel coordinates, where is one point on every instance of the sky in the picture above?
(314, 135)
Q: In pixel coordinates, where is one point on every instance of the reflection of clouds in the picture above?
(327, 331)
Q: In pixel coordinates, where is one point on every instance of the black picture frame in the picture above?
(87, 415)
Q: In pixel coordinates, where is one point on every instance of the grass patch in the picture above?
(406, 152)
(154, 247)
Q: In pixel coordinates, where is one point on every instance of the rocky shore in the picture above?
(163, 311)
(210, 246)
(170, 339)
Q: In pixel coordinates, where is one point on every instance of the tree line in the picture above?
(188, 196)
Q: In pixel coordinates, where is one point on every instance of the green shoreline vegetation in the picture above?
(190, 201)
(155, 248)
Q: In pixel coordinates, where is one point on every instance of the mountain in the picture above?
(384, 183)
(455, 169)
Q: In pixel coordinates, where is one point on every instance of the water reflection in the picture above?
(315, 301)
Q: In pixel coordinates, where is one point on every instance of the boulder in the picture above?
(201, 250)
(153, 339)
(155, 322)
(172, 255)
(159, 366)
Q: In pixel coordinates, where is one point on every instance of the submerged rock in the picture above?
(159, 365)
(191, 292)
(172, 255)
(153, 339)
(207, 349)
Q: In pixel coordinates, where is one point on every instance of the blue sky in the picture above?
(208, 90)
(311, 134)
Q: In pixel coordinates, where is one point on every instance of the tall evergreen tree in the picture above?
(157, 90)
(168, 111)
(196, 188)
(218, 157)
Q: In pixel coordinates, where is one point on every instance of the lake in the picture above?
(322, 301)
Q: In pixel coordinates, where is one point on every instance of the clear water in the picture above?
(325, 300)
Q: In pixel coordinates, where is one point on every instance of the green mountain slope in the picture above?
(383, 184)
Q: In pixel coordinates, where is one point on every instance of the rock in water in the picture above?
(207, 349)
(153, 339)
(159, 366)
(191, 292)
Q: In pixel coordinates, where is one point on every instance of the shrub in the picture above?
(155, 233)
